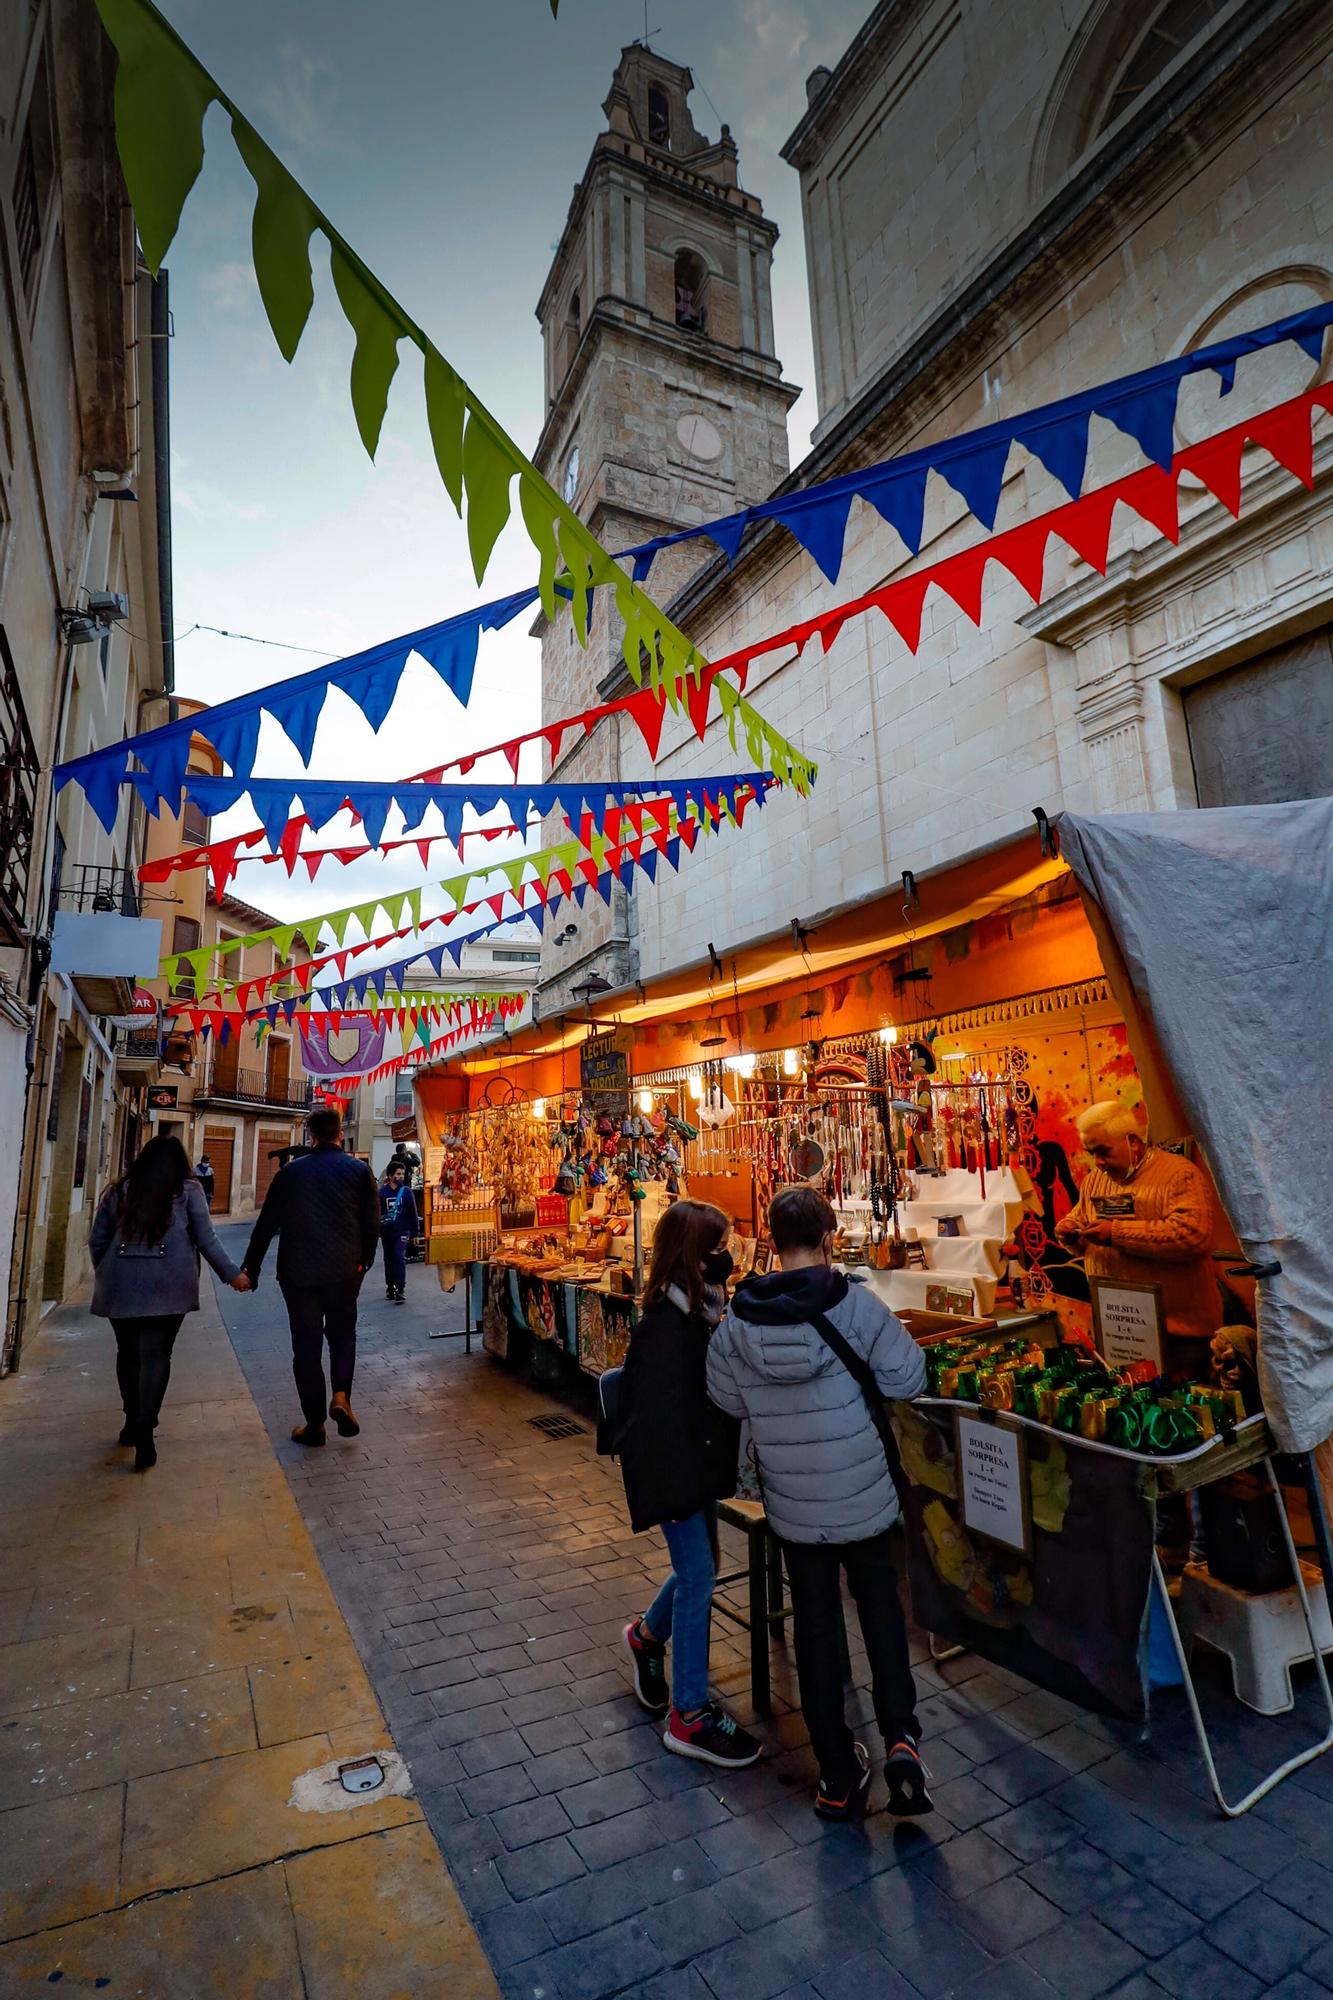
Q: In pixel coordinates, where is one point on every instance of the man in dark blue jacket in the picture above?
(398, 1225)
(324, 1209)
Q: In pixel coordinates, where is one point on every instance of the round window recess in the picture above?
(699, 437)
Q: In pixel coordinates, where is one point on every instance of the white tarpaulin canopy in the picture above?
(1224, 920)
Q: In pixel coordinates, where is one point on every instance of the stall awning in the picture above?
(1224, 923)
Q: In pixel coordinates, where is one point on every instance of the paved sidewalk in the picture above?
(486, 1571)
(171, 1662)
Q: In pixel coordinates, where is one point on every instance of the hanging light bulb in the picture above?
(539, 1107)
(697, 1089)
(791, 1063)
(646, 1102)
(889, 1034)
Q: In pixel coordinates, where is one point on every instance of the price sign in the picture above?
(993, 1482)
(1127, 1322)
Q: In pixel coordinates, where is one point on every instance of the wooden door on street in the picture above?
(220, 1152)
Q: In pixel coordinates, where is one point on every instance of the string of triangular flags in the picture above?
(162, 95)
(566, 865)
(1084, 526)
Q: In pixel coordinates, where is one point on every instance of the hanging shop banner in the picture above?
(1067, 1612)
(604, 1072)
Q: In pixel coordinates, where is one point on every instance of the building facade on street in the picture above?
(241, 1102)
(1001, 205)
(85, 645)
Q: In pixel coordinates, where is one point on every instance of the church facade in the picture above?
(1003, 203)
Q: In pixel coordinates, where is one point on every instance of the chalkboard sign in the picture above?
(604, 1071)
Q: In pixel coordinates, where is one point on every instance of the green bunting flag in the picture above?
(163, 93)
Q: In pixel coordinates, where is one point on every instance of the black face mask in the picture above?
(718, 1266)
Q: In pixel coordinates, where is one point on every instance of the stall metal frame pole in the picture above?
(441, 1333)
(1307, 1756)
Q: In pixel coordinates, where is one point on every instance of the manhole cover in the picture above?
(557, 1427)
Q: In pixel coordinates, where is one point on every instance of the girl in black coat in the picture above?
(678, 1454)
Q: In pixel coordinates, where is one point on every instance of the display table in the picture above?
(1059, 1590)
(585, 1318)
(968, 1263)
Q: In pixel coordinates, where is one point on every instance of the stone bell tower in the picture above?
(665, 405)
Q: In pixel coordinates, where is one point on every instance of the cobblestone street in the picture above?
(486, 1571)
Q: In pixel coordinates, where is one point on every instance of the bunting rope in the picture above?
(162, 95)
(1084, 526)
(1142, 406)
(727, 798)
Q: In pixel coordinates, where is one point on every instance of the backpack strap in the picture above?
(864, 1377)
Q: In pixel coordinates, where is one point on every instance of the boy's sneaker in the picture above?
(846, 1801)
(713, 1738)
(905, 1776)
(649, 1663)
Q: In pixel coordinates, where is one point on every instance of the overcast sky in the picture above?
(445, 141)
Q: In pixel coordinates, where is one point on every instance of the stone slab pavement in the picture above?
(172, 1661)
(486, 1572)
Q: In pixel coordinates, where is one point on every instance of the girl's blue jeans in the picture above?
(681, 1610)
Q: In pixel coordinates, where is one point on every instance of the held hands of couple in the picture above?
(242, 1282)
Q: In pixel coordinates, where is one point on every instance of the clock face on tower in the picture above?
(572, 474)
(699, 436)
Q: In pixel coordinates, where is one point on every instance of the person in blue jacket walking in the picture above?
(398, 1225)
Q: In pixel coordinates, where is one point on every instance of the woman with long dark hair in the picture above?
(678, 1456)
(145, 1244)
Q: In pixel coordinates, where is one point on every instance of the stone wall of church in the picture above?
(926, 758)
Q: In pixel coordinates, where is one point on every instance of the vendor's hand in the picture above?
(241, 1282)
(1098, 1232)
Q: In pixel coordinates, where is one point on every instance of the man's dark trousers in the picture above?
(318, 1313)
(814, 1572)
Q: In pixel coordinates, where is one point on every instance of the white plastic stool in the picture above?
(1263, 1637)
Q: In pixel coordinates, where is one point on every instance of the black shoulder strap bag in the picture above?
(864, 1377)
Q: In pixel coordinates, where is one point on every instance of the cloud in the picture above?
(300, 99)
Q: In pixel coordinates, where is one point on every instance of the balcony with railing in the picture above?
(226, 1082)
(109, 892)
(19, 773)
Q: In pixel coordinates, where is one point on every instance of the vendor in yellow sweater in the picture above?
(1147, 1217)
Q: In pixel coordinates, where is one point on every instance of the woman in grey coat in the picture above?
(145, 1243)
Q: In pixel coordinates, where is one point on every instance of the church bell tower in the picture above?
(665, 404)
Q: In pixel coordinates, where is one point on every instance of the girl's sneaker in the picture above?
(712, 1737)
(649, 1663)
(905, 1776)
(845, 1801)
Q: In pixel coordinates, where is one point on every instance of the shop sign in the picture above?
(144, 1001)
(1127, 1322)
(604, 1071)
(404, 1128)
(163, 1096)
(993, 1482)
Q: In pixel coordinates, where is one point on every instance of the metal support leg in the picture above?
(776, 1613)
(1305, 1756)
(1314, 1493)
(760, 1692)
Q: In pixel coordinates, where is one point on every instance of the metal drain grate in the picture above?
(557, 1427)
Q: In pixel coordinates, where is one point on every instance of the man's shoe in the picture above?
(308, 1434)
(843, 1802)
(340, 1409)
(649, 1662)
(905, 1775)
(145, 1454)
(389, 1295)
(713, 1738)
(400, 1298)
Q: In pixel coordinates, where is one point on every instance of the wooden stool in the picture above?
(1263, 1637)
(766, 1610)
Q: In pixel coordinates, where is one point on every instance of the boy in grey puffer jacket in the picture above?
(827, 1488)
